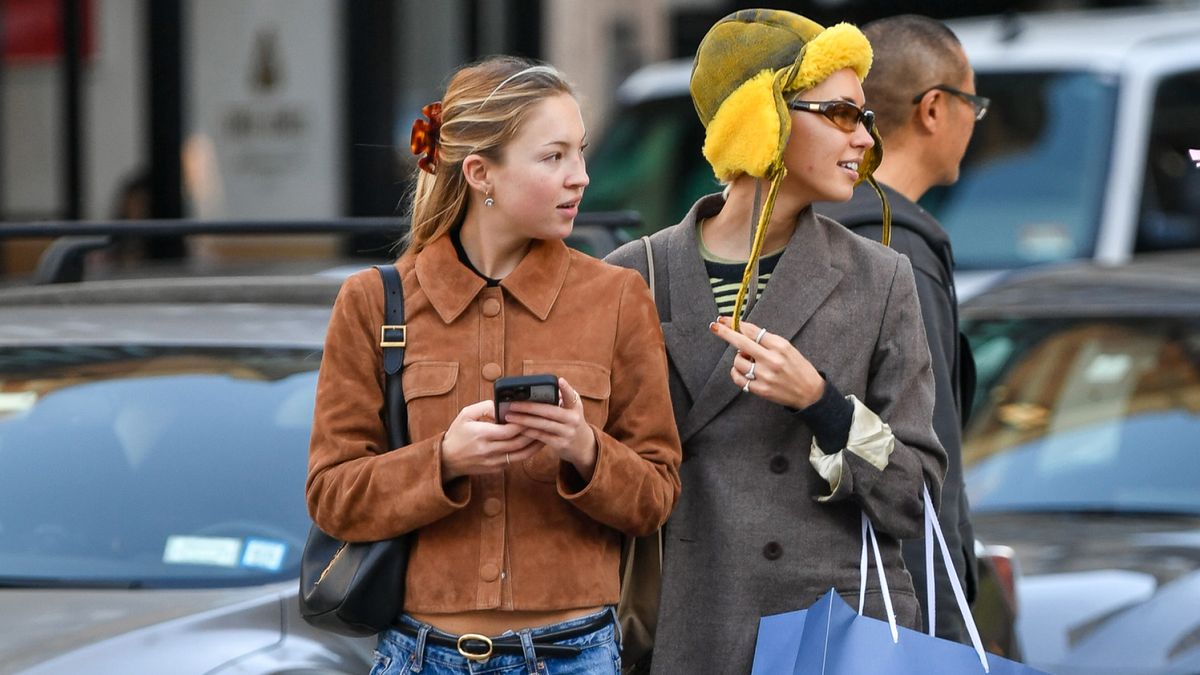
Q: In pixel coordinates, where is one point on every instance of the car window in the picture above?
(1089, 414)
(1033, 178)
(650, 160)
(146, 466)
(1170, 210)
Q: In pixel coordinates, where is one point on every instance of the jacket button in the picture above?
(491, 506)
(491, 371)
(489, 572)
(491, 307)
(772, 551)
(779, 464)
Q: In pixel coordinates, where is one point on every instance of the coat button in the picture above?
(779, 464)
(491, 507)
(489, 572)
(491, 307)
(772, 551)
(491, 371)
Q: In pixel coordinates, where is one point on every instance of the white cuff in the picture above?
(870, 438)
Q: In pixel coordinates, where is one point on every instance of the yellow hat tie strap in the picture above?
(886, 238)
(760, 235)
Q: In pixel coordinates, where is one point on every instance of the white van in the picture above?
(1084, 153)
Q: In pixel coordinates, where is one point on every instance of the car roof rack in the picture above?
(62, 262)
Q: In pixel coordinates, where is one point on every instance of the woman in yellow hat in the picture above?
(800, 374)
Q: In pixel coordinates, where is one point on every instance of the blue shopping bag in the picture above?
(778, 643)
(830, 638)
(836, 640)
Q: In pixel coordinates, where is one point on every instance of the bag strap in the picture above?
(868, 530)
(661, 292)
(393, 337)
(931, 523)
(650, 267)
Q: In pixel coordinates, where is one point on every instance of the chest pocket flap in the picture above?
(431, 397)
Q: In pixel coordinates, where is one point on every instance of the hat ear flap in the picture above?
(749, 130)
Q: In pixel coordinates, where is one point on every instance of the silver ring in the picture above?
(750, 373)
(746, 387)
(761, 333)
(508, 459)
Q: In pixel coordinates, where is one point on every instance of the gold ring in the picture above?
(472, 656)
(761, 333)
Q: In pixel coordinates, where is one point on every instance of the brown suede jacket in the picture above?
(535, 536)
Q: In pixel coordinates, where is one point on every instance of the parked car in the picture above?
(1083, 155)
(153, 444)
(1081, 455)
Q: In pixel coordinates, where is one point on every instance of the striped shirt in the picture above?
(726, 277)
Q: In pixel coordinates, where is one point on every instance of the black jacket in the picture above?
(916, 234)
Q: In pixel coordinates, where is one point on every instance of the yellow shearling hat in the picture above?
(747, 67)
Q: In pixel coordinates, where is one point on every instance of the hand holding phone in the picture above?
(541, 388)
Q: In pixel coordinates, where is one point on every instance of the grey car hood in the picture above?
(59, 630)
(1105, 593)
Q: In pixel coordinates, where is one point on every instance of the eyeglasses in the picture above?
(979, 103)
(844, 114)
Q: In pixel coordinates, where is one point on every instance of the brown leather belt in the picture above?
(481, 647)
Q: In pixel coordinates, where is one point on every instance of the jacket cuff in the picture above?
(456, 493)
(870, 439)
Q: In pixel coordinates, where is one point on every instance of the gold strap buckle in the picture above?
(393, 336)
(474, 656)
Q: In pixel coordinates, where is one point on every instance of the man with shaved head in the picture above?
(922, 89)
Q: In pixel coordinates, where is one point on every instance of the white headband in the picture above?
(548, 70)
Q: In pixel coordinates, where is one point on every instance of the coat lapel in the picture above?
(803, 279)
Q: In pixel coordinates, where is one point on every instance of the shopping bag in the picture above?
(830, 638)
(778, 643)
(838, 641)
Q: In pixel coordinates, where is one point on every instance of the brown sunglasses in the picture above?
(844, 114)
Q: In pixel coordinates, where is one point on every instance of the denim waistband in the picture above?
(427, 643)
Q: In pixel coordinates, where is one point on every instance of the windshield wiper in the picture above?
(38, 582)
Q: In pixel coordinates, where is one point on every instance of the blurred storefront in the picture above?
(262, 108)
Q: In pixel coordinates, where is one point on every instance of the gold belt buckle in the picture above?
(472, 656)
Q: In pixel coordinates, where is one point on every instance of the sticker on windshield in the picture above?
(264, 554)
(213, 551)
(1108, 368)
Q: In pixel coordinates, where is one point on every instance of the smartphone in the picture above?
(537, 388)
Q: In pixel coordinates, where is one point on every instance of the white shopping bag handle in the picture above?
(869, 530)
(932, 527)
(931, 522)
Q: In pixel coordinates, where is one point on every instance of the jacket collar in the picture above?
(451, 286)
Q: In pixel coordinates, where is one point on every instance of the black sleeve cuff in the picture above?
(829, 418)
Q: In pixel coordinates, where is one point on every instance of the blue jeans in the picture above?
(399, 653)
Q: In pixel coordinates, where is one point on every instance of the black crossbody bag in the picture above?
(357, 589)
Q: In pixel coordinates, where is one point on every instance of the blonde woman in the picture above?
(517, 525)
(818, 406)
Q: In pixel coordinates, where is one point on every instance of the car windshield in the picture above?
(1085, 414)
(153, 467)
(650, 162)
(1033, 178)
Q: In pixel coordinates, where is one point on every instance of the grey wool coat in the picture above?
(748, 536)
